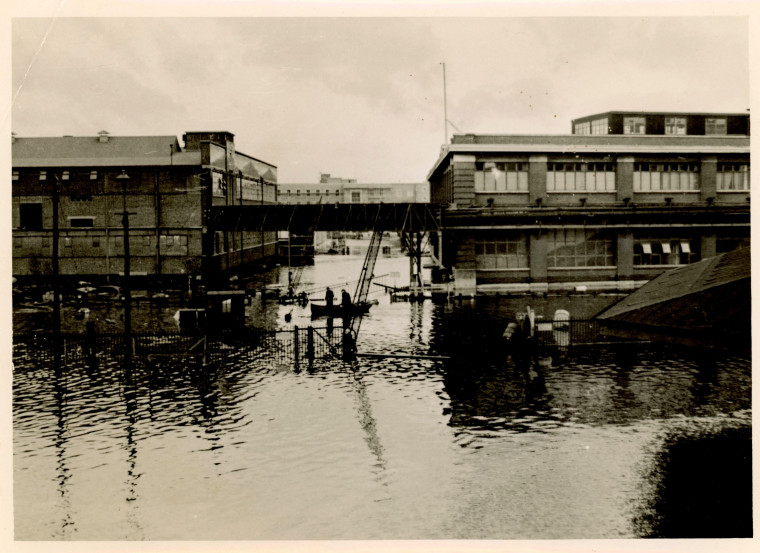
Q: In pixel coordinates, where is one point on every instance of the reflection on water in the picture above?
(598, 444)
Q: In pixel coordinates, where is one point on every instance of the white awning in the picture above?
(685, 247)
(665, 247)
(647, 247)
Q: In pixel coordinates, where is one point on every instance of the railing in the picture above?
(296, 347)
(566, 334)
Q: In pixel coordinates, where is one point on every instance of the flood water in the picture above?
(393, 448)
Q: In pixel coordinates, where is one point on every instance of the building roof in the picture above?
(706, 303)
(644, 113)
(593, 144)
(89, 151)
(684, 281)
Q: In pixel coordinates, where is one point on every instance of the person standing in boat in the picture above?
(345, 300)
(329, 297)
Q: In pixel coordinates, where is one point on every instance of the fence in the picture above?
(571, 333)
(297, 347)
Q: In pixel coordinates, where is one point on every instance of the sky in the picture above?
(363, 97)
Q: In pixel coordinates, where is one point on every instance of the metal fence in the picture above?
(298, 347)
(572, 333)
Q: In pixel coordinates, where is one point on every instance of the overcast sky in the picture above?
(363, 97)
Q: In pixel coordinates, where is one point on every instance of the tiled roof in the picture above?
(88, 151)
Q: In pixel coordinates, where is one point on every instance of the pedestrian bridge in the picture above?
(301, 218)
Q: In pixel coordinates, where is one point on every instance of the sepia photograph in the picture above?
(307, 276)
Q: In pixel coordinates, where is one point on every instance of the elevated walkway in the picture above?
(301, 218)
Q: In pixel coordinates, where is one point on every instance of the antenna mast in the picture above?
(445, 110)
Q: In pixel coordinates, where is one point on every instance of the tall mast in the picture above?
(445, 110)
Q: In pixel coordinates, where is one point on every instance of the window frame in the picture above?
(632, 122)
(711, 128)
(666, 174)
(594, 247)
(502, 253)
(501, 177)
(81, 218)
(38, 217)
(675, 121)
(575, 178)
(652, 252)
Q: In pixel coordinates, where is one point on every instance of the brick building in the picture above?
(166, 194)
(626, 197)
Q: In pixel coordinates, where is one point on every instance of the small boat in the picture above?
(322, 310)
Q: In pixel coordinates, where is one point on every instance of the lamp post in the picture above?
(124, 178)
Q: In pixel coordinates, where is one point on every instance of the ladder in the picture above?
(365, 279)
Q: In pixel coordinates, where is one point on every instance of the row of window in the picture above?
(659, 177)
(317, 192)
(637, 125)
(590, 177)
(597, 126)
(172, 244)
(501, 177)
(570, 248)
(600, 177)
(66, 175)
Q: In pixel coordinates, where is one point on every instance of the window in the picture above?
(30, 216)
(675, 125)
(81, 221)
(308, 192)
(665, 177)
(317, 191)
(585, 177)
(93, 175)
(65, 175)
(43, 175)
(715, 125)
(723, 245)
(15, 175)
(501, 177)
(176, 244)
(579, 248)
(337, 192)
(219, 184)
(634, 125)
(288, 192)
(298, 192)
(733, 176)
(505, 252)
(600, 126)
(356, 197)
(664, 251)
(583, 128)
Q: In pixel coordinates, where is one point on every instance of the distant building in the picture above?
(331, 190)
(166, 193)
(624, 198)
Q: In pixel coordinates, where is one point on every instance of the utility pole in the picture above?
(124, 178)
(56, 285)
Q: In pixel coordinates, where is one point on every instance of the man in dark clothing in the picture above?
(345, 298)
(329, 296)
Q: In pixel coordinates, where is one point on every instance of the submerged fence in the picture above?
(574, 333)
(299, 347)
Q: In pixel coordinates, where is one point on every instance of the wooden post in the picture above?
(89, 344)
(310, 346)
(296, 353)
